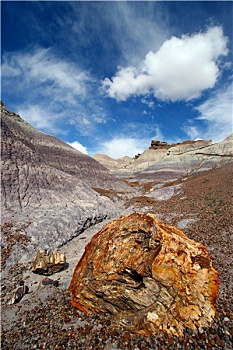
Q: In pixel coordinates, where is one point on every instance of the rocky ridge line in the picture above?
(172, 161)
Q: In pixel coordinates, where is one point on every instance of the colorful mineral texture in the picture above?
(146, 276)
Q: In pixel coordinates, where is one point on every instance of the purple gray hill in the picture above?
(48, 185)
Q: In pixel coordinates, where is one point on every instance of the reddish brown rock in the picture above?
(148, 276)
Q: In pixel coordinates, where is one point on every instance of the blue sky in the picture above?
(108, 77)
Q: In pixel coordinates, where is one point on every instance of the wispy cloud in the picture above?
(217, 112)
(40, 118)
(51, 91)
(216, 115)
(180, 70)
(147, 102)
(131, 42)
(47, 74)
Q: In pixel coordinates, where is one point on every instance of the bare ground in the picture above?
(201, 205)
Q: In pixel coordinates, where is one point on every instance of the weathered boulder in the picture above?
(147, 277)
(48, 263)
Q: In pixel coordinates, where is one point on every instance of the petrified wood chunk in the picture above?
(47, 262)
(48, 282)
(148, 276)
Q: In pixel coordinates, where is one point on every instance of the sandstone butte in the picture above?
(147, 277)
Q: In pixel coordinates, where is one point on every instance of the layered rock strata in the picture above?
(163, 161)
(147, 277)
(48, 186)
(38, 168)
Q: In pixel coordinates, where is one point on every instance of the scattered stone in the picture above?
(148, 276)
(19, 293)
(47, 262)
(48, 282)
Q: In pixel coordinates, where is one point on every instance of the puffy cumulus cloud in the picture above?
(127, 144)
(180, 70)
(122, 146)
(215, 115)
(127, 81)
(77, 145)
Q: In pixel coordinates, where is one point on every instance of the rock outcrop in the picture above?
(155, 144)
(191, 158)
(48, 263)
(184, 146)
(164, 161)
(148, 277)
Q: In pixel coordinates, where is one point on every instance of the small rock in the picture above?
(219, 342)
(19, 293)
(226, 319)
(48, 263)
(48, 282)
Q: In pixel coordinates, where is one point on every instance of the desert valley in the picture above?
(143, 244)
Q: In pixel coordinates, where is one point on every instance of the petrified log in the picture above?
(47, 262)
(147, 276)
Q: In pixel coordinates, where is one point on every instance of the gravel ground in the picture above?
(45, 319)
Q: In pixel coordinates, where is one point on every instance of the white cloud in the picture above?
(77, 145)
(86, 121)
(180, 70)
(99, 120)
(148, 103)
(40, 118)
(193, 131)
(47, 74)
(216, 114)
(117, 19)
(123, 146)
(51, 91)
(218, 108)
(128, 144)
